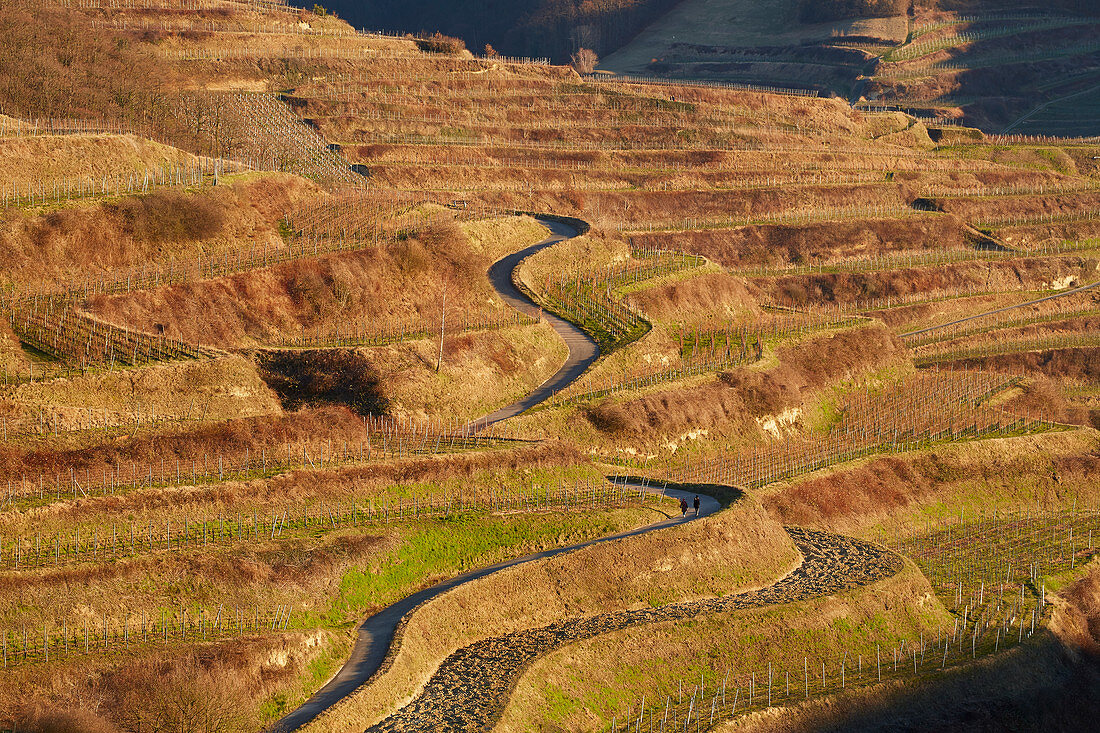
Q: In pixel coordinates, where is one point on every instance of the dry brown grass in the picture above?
(1010, 207)
(742, 395)
(51, 159)
(1042, 396)
(1075, 363)
(1029, 274)
(734, 549)
(700, 300)
(74, 243)
(583, 685)
(216, 389)
(481, 371)
(614, 208)
(779, 245)
(213, 688)
(468, 474)
(400, 282)
(1048, 469)
(228, 437)
(910, 317)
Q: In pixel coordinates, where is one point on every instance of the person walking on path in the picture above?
(683, 507)
(696, 504)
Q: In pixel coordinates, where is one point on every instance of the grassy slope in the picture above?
(394, 283)
(892, 494)
(582, 686)
(1049, 683)
(90, 238)
(334, 580)
(736, 548)
(75, 157)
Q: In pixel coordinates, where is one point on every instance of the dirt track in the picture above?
(471, 687)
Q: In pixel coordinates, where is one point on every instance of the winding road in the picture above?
(375, 635)
(582, 348)
(470, 688)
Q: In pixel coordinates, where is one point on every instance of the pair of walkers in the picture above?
(684, 506)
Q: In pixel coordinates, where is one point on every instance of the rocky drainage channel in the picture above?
(471, 687)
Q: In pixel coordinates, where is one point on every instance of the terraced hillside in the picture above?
(357, 386)
(1001, 67)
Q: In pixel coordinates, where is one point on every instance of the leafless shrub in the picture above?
(584, 61)
(439, 43)
(608, 417)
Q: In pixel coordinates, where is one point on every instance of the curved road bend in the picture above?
(471, 687)
(376, 634)
(582, 349)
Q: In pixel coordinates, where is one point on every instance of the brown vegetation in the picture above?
(1014, 274)
(742, 395)
(56, 65)
(1076, 363)
(76, 242)
(230, 437)
(1044, 397)
(439, 43)
(474, 475)
(211, 689)
(314, 377)
(584, 61)
(701, 300)
(1050, 470)
(51, 159)
(780, 245)
(397, 283)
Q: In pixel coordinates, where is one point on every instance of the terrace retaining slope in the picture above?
(472, 686)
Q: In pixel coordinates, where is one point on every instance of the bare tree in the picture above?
(584, 36)
(584, 60)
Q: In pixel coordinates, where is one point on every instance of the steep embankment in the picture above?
(1050, 683)
(736, 548)
(85, 239)
(738, 398)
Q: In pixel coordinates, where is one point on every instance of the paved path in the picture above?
(471, 687)
(375, 635)
(582, 349)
